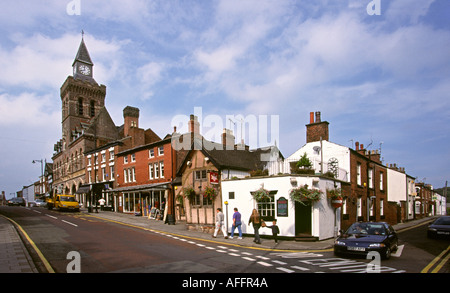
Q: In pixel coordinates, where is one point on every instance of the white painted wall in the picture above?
(28, 193)
(330, 150)
(323, 214)
(396, 185)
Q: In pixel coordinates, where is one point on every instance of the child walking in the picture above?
(275, 230)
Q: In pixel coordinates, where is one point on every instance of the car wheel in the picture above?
(387, 253)
(395, 246)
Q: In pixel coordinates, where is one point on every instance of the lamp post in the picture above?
(41, 181)
(226, 213)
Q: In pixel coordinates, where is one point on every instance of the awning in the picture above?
(144, 187)
(83, 189)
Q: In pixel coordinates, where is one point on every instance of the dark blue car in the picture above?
(439, 228)
(362, 237)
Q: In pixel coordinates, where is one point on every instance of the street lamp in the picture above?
(42, 175)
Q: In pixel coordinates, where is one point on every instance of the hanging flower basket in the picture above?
(261, 195)
(210, 193)
(334, 194)
(336, 197)
(305, 195)
(189, 193)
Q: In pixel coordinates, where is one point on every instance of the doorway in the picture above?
(303, 220)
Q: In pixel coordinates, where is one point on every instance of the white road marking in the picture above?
(70, 223)
(53, 217)
(399, 251)
(299, 268)
(279, 262)
(286, 270)
(264, 264)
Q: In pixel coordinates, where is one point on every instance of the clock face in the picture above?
(84, 69)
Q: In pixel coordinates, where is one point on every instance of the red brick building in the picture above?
(367, 195)
(144, 170)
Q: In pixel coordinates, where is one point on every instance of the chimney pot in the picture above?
(194, 125)
(318, 117)
(311, 117)
(357, 145)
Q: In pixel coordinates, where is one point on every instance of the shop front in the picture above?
(148, 200)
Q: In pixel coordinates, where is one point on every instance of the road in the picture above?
(103, 246)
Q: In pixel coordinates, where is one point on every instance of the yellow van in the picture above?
(63, 202)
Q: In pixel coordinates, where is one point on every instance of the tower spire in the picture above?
(82, 65)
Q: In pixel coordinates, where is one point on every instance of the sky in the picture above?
(378, 71)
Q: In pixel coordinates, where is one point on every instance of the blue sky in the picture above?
(378, 79)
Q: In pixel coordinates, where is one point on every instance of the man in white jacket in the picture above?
(220, 223)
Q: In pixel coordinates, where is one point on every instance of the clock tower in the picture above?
(82, 65)
(81, 96)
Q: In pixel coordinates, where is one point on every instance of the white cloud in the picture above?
(39, 61)
(148, 75)
(408, 11)
(28, 109)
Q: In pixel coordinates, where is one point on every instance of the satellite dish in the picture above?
(316, 148)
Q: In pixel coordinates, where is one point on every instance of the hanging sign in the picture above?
(282, 207)
(213, 177)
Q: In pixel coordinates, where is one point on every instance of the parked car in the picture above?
(362, 237)
(16, 201)
(38, 203)
(439, 228)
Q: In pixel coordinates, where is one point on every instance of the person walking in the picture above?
(236, 223)
(255, 220)
(275, 230)
(102, 203)
(220, 223)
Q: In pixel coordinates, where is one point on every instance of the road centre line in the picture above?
(67, 222)
(53, 217)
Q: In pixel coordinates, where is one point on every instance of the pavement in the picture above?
(15, 258)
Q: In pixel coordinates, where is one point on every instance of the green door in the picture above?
(302, 219)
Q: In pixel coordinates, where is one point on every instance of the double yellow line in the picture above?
(442, 259)
(39, 253)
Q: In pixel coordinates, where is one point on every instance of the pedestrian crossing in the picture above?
(291, 262)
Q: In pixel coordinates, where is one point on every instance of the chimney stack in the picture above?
(131, 119)
(194, 125)
(228, 139)
(316, 130)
